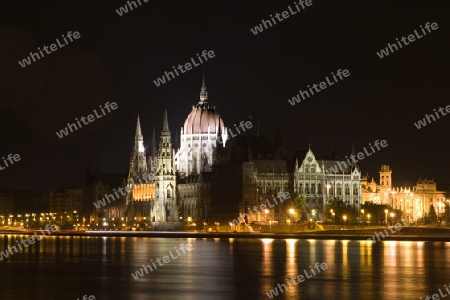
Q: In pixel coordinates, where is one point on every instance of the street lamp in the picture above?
(345, 219)
(291, 211)
(289, 222)
(386, 212)
(362, 211)
(368, 218)
(392, 217)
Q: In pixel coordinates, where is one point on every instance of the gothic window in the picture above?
(355, 189)
(307, 168)
(300, 189)
(307, 191)
(347, 189)
(259, 189)
(339, 189)
(268, 189)
(204, 144)
(313, 168)
(277, 188)
(313, 188)
(168, 193)
(331, 189)
(319, 188)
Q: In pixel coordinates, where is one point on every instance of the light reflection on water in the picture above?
(69, 267)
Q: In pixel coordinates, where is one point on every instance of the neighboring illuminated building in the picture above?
(414, 202)
(326, 181)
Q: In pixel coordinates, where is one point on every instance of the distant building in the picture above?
(97, 187)
(414, 202)
(65, 201)
(327, 181)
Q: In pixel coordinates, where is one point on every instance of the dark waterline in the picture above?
(221, 268)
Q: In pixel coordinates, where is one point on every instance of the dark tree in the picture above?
(432, 217)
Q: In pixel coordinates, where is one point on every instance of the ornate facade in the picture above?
(414, 202)
(323, 183)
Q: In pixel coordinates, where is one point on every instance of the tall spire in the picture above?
(138, 127)
(203, 91)
(139, 139)
(165, 127)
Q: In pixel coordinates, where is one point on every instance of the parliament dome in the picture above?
(203, 118)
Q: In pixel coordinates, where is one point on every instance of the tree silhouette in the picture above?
(432, 217)
(299, 204)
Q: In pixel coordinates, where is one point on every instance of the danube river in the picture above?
(60, 267)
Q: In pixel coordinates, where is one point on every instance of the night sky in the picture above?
(117, 58)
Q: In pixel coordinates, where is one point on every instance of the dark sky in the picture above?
(118, 57)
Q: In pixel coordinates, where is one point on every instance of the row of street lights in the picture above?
(344, 217)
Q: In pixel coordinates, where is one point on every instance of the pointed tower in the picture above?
(140, 192)
(165, 206)
(138, 161)
(203, 90)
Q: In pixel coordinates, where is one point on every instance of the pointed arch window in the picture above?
(169, 193)
(339, 189)
(355, 189)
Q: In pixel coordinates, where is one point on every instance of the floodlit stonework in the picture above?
(414, 201)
